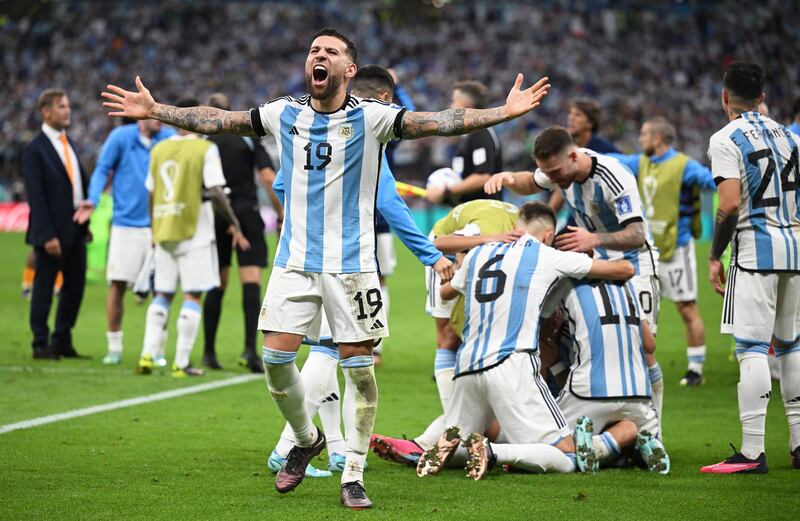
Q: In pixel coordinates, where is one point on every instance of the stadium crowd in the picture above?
(81, 46)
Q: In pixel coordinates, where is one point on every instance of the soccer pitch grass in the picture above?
(202, 456)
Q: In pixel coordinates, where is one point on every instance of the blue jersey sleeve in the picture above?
(629, 160)
(404, 99)
(108, 160)
(397, 214)
(696, 174)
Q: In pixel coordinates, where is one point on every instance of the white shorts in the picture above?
(649, 294)
(758, 306)
(127, 251)
(605, 413)
(352, 303)
(516, 395)
(387, 260)
(196, 269)
(678, 276)
(434, 305)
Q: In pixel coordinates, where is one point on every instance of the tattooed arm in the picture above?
(454, 122)
(631, 237)
(203, 120)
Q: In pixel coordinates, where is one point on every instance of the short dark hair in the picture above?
(476, 91)
(533, 210)
(744, 80)
(552, 141)
(371, 81)
(796, 108)
(330, 31)
(591, 109)
(185, 103)
(50, 96)
(218, 100)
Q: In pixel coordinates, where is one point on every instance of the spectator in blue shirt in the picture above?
(125, 156)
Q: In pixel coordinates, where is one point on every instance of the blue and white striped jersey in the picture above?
(330, 165)
(603, 319)
(504, 286)
(763, 155)
(606, 202)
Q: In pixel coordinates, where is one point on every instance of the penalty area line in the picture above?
(130, 402)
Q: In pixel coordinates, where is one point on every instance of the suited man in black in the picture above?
(55, 183)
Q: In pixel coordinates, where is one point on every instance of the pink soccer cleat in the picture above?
(738, 464)
(405, 452)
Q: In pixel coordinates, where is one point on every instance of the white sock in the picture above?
(697, 357)
(657, 389)
(316, 376)
(755, 388)
(330, 413)
(155, 325)
(188, 326)
(428, 438)
(790, 392)
(444, 369)
(605, 447)
(533, 457)
(360, 406)
(286, 387)
(114, 341)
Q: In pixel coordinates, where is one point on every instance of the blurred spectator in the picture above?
(636, 61)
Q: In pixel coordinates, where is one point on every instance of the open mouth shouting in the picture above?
(319, 76)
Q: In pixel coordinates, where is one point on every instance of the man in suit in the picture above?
(55, 183)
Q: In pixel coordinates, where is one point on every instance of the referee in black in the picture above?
(241, 158)
(478, 155)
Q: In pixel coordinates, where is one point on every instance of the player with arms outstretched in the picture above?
(754, 161)
(330, 145)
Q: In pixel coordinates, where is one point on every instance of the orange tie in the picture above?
(67, 158)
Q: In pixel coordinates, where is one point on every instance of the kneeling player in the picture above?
(608, 387)
(497, 366)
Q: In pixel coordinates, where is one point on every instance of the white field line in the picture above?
(130, 402)
(108, 371)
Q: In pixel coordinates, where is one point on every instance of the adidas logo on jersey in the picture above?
(376, 325)
(294, 131)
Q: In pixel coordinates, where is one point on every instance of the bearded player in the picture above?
(330, 145)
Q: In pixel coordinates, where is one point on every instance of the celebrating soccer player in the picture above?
(330, 146)
(754, 161)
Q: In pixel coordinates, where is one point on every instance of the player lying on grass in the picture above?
(497, 366)
(608, 389)
(319, 371)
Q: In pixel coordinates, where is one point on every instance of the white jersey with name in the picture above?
(504, 286)
(763, 155)
(330, 165)
(606, 202)
(603, 321)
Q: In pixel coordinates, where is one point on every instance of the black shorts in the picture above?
(253, 229)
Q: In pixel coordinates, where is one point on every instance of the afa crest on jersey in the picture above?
(346, 131)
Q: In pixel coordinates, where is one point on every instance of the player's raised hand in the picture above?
(134, 105)
(444, 268)
(520, 101)
(496, 183)
(716, 274)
